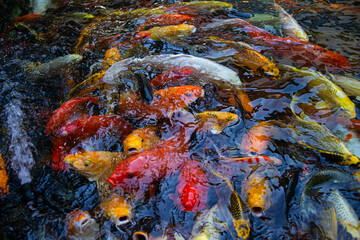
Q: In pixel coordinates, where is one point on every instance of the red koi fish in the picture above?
(78, 130)
(192, 189)
(137, 173)
(173, 77)
(164, 104)
(305, 53)
(165, 20)
(62, 115)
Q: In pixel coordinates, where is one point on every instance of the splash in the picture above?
(20, 147)
(40, 6)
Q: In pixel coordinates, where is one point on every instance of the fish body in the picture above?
(165, 20)
(95, 165)
(54, 67)
(140, 140)
(345, 213)
(117, 209)
(112, 56)
(238, 211)
(63, 114)
(211, 6)
(4, 187)
(246, 56)
(305, 53)
(206, 70)
(318, 137)
(256, 140)
(172, 32)
(80, 225)
(78, 130)
(171, 78)
(208, 225)
(192, 189)
(88, 86)
(164, 104)
(329, 92)
(215, 121)
(258, 193)
(290, 26)
(136, 173)
(350, 85)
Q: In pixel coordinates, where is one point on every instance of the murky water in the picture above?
(41, 198)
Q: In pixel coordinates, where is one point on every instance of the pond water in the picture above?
(282, 164)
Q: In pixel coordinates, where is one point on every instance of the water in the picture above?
(41, 198)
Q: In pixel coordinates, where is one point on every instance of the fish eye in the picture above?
(189, 94)
(87, 163)
(131, 175)
(157, 96)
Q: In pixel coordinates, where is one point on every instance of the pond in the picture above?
(180, 120)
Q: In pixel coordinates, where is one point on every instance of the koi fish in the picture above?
(326, 90)
(78, 130)
(172, 32)
(88, 86)
(165, 20)
(215, 121)
(258, 194)
(256, 140)
(80, 225)
(112, 56)
(165, 103)
(95, 165)
(290, 26)
(117, 209)
(246, 56)
(192, 189)
(63, 114)
(209, 225)
(4, 187)
(136, 173)
(171, 78)
(350, 86)
(294, 50)
(140, 140)
(205, 70)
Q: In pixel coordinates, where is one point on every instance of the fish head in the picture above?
(140, 235)
(269, 70)
(130, 173)
(117, 210)
(216, 121)
(89, 163)
(133, 144)
(80, 223)
(189, 197)
(258, 195)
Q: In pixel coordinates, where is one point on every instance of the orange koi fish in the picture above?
(80, 225)
(63, 114)
(117, 209)
(192, 189)
(165, 20)
(164, 104)
(73, 133)
(256, 139)
(4, 187)
(172, 78)
(137, 173)
(295, 50)
(140, 140)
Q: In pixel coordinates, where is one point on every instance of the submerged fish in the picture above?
(192, 190)
(350, 86)
(141, 140)
(172, 32)
(330, 93)
(209, 225)
(62, 115)
(4, 187)
(345, 213)
(137, 173)
(215, 121)
(165, 103)
(165, 20)
(290, 26)
(256, 140)
(171, 78)
(245, 56)
(116, 209)
(95, 165)
(80, 225)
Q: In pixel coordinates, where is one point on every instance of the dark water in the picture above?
(40, 198)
